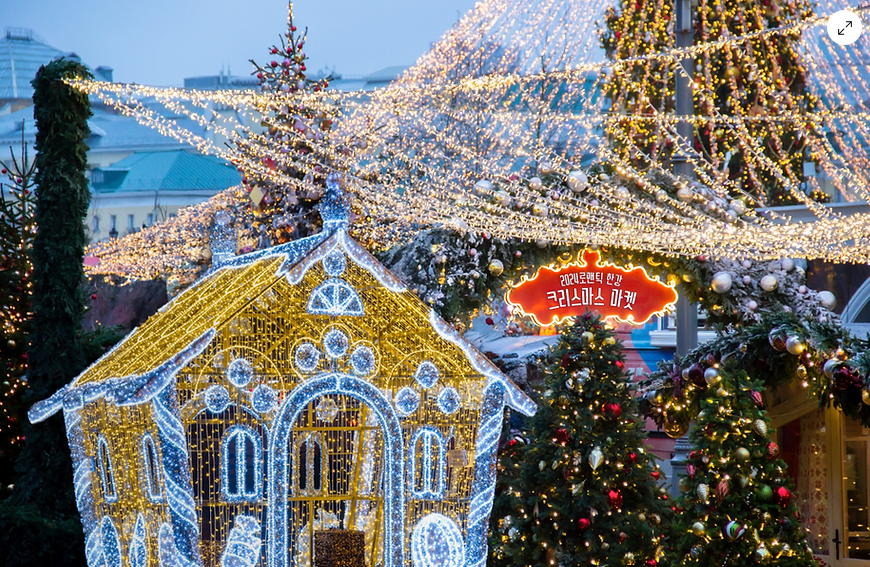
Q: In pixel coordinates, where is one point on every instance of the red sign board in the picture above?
(626, 294)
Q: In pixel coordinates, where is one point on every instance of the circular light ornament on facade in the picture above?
(427, 374)
(326, 410)
(217, 399)
(307, 357)
(334, 263)
(362, 360)
(240, 372)
(407, 401)
(448, 400)
(437, 541)
(335, 343)
(263, 398)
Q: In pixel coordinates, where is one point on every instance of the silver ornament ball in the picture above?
(721, 282)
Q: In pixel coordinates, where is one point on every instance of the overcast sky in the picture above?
(160, 42)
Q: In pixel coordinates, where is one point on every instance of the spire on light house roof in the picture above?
(335, 204)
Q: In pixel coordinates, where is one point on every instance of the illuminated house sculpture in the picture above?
(290, 390)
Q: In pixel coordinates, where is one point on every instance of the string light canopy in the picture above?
(514, 125)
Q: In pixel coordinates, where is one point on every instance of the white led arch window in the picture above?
(241, 465)
(107, 474)
(151, 465)
(427, 470)
(310, 465)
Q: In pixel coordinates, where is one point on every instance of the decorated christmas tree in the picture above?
(584, 490)
(17, 229)
(752, 80)
(738, 504)
(284, 212)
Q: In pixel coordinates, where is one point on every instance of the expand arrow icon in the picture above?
(848, 25)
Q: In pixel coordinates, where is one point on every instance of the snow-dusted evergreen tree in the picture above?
(459, 272)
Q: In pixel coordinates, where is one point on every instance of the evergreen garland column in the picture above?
(56, 355)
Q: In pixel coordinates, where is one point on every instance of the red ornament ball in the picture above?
(583, 523)
(562, 435)
(612, 410)
(274, 64)
(655, 474)
(94, 296)
(652, 563)
(489, 321)
(632, 458)
(772, 450)
(783, 496)
(614, 498)
(274, 50)
(619, 364)
(3, 171)
(292, 28)
(566, 360)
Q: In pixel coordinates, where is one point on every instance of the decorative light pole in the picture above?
(687, 313)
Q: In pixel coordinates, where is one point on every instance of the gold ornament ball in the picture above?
(587, 336)
(801, 371)
(742, 454)
(629, 558)
(699, 529)
(865, 396)
(496, 267)
(675, 429)
(761, 554)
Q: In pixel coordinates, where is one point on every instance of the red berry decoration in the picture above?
(583, 524)
(612, 410)
(614, 498)
(562, 435)
(274, 50)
